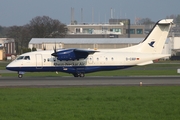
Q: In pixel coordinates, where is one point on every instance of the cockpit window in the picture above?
(20, 57)
(26, 58)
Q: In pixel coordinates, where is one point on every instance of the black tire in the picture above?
(75, 75)
(81, 75)
(20, 75)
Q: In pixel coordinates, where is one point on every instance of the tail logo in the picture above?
(151, 43)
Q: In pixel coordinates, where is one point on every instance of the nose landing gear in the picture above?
(20, 74)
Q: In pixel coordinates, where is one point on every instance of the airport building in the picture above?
(116, 28)
(174, 45)
(7, 48)
(84, 43)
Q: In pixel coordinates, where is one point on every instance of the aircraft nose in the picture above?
(8, 67)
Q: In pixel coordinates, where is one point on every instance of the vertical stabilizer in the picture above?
(155, 40)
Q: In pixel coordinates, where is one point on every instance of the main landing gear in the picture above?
(79, 75)
(20, 75)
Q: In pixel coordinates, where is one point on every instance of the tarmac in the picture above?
(89, 81)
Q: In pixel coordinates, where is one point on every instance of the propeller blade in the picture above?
(55, 48)
(55, 52)
(44, 47)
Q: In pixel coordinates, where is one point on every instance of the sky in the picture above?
(21, 12)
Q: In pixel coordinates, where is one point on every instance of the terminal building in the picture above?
(116, 28)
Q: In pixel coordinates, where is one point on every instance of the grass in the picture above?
(3, 64)
(90, 103)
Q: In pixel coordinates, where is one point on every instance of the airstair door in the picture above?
(39, 62)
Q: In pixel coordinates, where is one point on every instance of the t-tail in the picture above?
(155, 40)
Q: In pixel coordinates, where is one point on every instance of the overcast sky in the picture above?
(20, 12)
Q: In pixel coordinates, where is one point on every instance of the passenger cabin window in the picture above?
(26, 58)
(20, 57)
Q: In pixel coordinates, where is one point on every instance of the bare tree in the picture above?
(178, 20)
(21, 36)
(146, 21)
(2, 31)
(39, 27)
(44, 27)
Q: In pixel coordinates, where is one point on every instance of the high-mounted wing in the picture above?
(72, 54)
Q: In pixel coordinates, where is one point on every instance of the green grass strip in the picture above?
(90, 103)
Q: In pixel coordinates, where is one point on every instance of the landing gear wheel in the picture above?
(20, 75)
(81, 75)
(75, 75)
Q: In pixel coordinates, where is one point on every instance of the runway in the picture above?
(88, 81)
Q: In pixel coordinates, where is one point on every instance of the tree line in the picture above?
(148, 21)
(38, 27)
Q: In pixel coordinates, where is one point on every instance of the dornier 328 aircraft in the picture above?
(81, 61)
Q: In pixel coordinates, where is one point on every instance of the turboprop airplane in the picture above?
(81, 61)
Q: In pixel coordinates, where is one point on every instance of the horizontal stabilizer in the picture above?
(145, 63)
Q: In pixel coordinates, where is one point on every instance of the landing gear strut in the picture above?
(79, 75)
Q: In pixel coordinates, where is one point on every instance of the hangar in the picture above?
(85, 43)
(174, 45)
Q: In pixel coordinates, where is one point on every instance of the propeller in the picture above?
(55, 52)
(44, 47)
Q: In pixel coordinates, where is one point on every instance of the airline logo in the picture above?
(151, 43)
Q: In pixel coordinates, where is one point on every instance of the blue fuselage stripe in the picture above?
(68, 69)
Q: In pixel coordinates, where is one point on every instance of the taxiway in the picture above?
(87, 81)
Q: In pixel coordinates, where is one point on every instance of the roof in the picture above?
(6, 40)
(85, 40)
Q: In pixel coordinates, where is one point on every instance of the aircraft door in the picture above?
(39, 62)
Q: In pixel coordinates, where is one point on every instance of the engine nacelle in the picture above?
(66, 55)
(70, 54)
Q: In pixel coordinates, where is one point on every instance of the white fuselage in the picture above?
(78, 61)
(43, 61)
